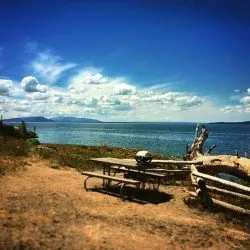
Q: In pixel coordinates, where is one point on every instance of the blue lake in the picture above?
(169, 138)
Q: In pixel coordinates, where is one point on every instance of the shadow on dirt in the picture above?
(137, 195)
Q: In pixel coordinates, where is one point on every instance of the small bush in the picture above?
(18, 132)
(34, 142)
(46, 152)
(14, 147)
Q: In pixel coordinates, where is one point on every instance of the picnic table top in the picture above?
(132, 163)
(115, 161)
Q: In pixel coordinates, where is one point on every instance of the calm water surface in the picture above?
(156, 137)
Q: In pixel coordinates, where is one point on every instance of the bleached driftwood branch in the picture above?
(195, 173)
(201, 134)
(201, 191)
(235, 165)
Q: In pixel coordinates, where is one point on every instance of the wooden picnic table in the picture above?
(108, 164)
(138, 173)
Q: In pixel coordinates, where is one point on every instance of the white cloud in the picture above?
(124, 89)
(248, 90)
(245, 100)
(122, 105)
(174, 100)
(84, 77)
(5, 87)
(242, 104)
(30, 84)
(39, 96)
(91, 93)
(50, 67)
(20, 105)
(237, 91)
(236, 108)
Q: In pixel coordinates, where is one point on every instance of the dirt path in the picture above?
(49, 209)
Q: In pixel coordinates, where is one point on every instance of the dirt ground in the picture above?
(45, 208)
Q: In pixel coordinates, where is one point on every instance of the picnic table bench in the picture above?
(110, 178)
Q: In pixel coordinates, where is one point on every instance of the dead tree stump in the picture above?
(196, 150)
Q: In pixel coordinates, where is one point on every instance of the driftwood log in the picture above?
(214, 164)
(224, 204)
(203, 192)
(202, 176)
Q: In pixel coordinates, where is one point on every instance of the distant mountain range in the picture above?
(74, 119)
(29, 119)
(245, 122)
(54, 119)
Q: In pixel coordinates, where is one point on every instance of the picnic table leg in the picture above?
(104, 172)
(109, 171)
(144, 179)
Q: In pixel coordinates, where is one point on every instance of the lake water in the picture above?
(169, 138)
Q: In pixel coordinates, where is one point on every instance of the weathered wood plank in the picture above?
(172, 171)
(133, 164)
(219, 180)
(123, 169)
(174, 162)
(223, 191)
(115, 161)
(107, 177)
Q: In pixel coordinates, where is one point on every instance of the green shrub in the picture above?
(45, 152)
(34, 141)
(14, 147)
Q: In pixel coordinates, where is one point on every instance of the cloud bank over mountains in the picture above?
(89, 92)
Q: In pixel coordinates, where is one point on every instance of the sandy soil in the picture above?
(48, 208)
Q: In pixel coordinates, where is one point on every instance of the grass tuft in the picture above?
(11, 164)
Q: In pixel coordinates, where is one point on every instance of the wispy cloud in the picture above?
(236, 108)
(45, 64)
(242, 105)
(161, 87)
(50, 67)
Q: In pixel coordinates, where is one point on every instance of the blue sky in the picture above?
(126, 60)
